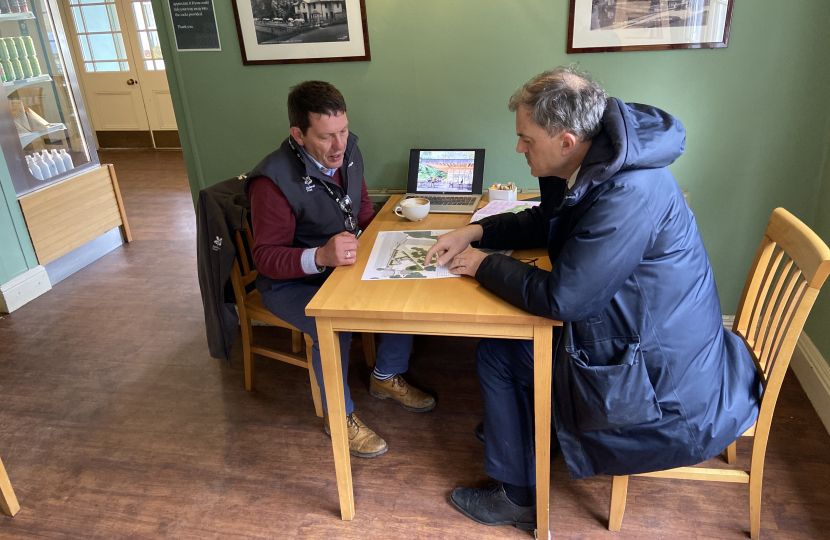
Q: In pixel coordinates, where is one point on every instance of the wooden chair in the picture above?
(8, 502)
(250, 307)
(790, 267)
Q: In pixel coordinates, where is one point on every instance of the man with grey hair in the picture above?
(645, 377)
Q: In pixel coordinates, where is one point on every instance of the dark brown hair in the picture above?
(313, 97)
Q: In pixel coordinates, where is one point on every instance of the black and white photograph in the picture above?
(648, 25)
(300, 21)
(614, 14)
(301, 31)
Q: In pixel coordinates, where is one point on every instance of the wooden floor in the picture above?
(116, 423)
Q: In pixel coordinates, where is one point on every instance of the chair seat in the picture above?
(258, 311)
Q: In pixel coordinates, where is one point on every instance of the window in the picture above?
(148, 36)
(99, 35)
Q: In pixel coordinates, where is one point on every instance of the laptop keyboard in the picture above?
(448, 201)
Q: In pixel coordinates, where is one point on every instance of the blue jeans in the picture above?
(288, 301)
(505, 371)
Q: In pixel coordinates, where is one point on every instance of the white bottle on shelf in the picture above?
(67, 159)
(58, 162)
(53, 169)
(44, 168)
(34, 169)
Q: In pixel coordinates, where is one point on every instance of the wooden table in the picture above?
(446, 307)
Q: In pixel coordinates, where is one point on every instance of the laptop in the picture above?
(450, 179)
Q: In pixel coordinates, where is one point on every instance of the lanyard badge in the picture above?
(345, 203)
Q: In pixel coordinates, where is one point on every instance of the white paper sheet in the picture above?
(401, 254)
(500, 207)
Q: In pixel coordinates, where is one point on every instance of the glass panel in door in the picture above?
(148, 36)
(99, 36)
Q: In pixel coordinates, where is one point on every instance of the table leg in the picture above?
(542, 370)
(336, 402)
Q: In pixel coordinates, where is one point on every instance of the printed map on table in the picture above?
(402, 255)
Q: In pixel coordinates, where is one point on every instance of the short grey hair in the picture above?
(564, 99)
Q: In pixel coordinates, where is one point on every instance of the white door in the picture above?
(149, 64)
(120, 63)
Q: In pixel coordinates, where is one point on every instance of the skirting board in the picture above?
(23, 289)
(812, 372)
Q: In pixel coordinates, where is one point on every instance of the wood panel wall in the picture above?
(69, 214)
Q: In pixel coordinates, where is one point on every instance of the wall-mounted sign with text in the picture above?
(194, 25)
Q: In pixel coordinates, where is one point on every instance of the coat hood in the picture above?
(633, 136)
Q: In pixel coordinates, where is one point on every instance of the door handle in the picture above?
(132, 82)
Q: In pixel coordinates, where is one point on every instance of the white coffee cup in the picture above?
(414, 209)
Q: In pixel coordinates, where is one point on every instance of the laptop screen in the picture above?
(446, 171)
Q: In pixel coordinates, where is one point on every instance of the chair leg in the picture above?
(370, 349)
(8, 502)
(732, 453)
(247, 355)
(755, 480)
(315, 388)
(296, 341)
(619, 491)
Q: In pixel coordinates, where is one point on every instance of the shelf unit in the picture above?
(16, 16)
(28, 138)
(13, 86)
(54, 95)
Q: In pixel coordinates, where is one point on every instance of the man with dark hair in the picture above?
(309, 204)
(645, 377)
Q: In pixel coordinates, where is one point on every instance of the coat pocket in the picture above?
(613, 396)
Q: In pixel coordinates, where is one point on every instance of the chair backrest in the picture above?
(790, 267)
(243, 273)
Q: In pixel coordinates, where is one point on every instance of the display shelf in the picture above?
(16, 16)
(27, 138)
(13, 86)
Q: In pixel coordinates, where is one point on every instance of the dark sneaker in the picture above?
(479, 433)
(492, 507)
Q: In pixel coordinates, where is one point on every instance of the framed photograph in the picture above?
(301, 31)
(648, 25)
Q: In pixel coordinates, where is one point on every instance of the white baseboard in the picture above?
(813, 373)
(23, 289)
(811, 370)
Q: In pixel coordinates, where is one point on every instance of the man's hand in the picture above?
(451, 244)
(340, 250)
(467, 262)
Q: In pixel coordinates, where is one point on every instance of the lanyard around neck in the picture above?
(309, 179)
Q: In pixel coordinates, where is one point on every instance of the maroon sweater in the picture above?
(273, 223)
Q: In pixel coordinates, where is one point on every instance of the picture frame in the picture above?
(648, 25)
(301, 31)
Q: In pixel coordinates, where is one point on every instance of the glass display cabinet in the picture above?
(44, 132)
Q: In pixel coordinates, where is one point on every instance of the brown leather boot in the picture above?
(363, 442)
(407, 396)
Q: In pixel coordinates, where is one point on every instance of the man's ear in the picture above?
(297, 134)
(569, 142)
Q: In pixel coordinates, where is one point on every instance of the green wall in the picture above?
(818, 325)
(442, 72)
(16, 252)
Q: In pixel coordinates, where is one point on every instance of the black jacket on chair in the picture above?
(222, 210)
